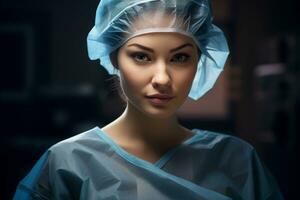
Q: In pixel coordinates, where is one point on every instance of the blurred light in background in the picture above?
(49, 90)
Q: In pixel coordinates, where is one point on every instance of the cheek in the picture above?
(185, 80)
(131, 82)
(128, 78)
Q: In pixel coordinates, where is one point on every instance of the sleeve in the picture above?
(260, 184)
(36, 184)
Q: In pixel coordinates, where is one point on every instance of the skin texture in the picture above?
(154, 63)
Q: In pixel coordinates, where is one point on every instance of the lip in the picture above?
(160, 96)
(159, 100)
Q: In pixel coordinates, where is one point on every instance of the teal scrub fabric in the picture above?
(207, 166)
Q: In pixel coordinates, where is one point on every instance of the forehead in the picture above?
(161, 40)
(159, 26)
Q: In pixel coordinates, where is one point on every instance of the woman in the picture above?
(163, 52)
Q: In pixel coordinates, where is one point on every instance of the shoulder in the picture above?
(225, 147)
(84, 141)
(240, 161)
(224, 140)
(59, 169)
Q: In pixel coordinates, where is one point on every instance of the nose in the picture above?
(161, 76)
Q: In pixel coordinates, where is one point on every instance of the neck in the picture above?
(141, 127)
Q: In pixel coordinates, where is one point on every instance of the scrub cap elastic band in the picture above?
(118, 21)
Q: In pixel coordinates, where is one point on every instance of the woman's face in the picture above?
(157, 64)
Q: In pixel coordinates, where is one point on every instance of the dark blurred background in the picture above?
(50, 90)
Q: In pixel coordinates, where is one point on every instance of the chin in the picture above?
(161, 113)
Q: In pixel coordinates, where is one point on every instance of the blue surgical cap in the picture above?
(118, 21)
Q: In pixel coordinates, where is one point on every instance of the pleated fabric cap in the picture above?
(118, 21)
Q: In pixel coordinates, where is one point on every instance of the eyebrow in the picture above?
(151, 50)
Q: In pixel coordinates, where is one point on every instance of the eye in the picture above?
(181, 57)
(140, 57)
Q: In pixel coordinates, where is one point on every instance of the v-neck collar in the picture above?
(156, 167)
(139, 161)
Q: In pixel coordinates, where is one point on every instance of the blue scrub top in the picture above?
(207, 166)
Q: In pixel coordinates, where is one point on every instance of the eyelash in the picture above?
(144, 55)
(135, 57)
(186, 57)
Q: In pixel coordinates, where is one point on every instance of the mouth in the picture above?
(160, 96)
(159, 100)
